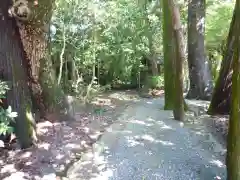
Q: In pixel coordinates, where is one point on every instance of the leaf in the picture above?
(13, 115)
(9, 109)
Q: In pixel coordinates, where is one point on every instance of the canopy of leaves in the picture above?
(218, 20)
(112, 36)
(108, 40)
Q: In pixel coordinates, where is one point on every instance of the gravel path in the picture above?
(146, 144)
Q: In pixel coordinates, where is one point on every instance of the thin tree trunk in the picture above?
(220, 103)
(148, 31)
(169, 56)
(178, 36)
(61, 56)
(152, 59)
(15, 72)
(233, 145)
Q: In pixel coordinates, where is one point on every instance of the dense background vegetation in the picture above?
(114, 40)
(55, 48)
(97, 46)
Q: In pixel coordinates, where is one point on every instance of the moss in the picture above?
(233, 145)
(168, 47)
(20, 99)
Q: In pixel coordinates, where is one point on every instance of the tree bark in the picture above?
(169, 57)
(15, 72)
(178, 110)
(34, 36)
(220, 103)
(233, 145)
(201, 83)
(47, 94)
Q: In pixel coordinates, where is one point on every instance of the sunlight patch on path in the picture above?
(147, 143)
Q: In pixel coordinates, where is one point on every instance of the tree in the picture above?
(28, 67)
(220, 103)
(15, 71)
(233, 146)
(219, 15)
(169, 57)
(47, 95)
(34, 36)
(178, 110)
(201, 84)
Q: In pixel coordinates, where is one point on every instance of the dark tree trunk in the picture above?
(15, 66)
(201, 84)
(220, 103)
(233, 145)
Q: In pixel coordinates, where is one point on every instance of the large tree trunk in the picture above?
(169, 57)
(34, 36)
(46, 93)
(34, 47)
(220, 103)
(14, 66)
(233, 145)
(201, 84)
(178, 110)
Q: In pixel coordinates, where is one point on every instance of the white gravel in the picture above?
(147, 144)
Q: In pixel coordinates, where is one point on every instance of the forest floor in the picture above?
(146, 143)
(134, 135)
(61, 143)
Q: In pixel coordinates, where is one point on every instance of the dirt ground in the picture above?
(219, 126)
(146, 143)
(61, 143)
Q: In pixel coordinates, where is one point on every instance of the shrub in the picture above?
(6, 115)
(156, 82)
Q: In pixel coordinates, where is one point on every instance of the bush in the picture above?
(6, 115)
(156, 82)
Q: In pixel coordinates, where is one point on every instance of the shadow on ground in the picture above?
(61, 143)
(148, 144)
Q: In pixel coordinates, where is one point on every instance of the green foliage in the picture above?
(217, 24)
(3, 89)
(106, 41)
(156, 82)
(218, 18)
(6, 115)
(110, 36)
